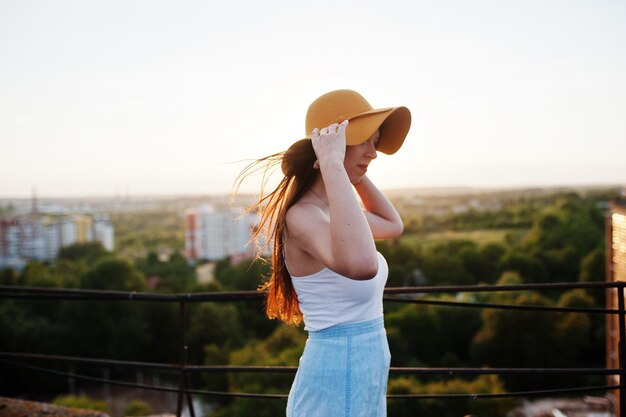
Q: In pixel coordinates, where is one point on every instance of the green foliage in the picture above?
(245, 276)
(113, 329)
(512, 338)
(138, 408)
(419, 335)
(139, 232)
(113, 274)
(486, 384)
(283, 347)
(529, 267)
(216, 323)
(565, 232)
(457, 263)
(404, 262)
(405, 331)
(37, 274)
(82, 402)
(87, 251)
(9, 276)
(175, 275)
(592, 266)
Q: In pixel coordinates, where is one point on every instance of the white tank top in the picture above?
(327, 298)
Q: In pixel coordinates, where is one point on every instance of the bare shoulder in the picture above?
(304, 218)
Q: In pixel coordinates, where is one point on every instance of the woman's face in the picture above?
(358, 158)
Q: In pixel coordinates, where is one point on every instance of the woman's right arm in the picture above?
(341, 241)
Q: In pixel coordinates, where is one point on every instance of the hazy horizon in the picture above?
(418, 190)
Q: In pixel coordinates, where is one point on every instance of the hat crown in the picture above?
(335, 107)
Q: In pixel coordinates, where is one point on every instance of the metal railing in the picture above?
(396, 295)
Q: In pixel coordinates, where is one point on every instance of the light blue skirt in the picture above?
(343, 372)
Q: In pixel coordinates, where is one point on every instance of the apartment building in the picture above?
(41, 237)
(215, 234)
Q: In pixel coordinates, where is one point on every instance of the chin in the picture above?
(356, 180)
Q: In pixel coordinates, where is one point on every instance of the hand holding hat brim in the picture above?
(394, 124)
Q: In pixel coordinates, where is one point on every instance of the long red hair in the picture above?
(298, 175)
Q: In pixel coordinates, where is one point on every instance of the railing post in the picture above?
(71, 380)
(184, 382)
(106, 375)
(622, 351)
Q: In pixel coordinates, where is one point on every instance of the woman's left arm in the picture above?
(382, 216)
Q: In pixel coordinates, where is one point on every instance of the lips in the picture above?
(363, 167)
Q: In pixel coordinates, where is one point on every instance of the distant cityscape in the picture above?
(215, 227)
(213, 231)
(38, 236)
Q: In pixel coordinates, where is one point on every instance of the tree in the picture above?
(283, 347)
(492, 253)
(215, 323)
(563, 233)
(512, 338)
(37, 274)
(486, 384)
(114, 329)
(406, 330)
(9, 276)
(175, 274)
(87, 251)
(404, 262)
(247, 276)
(530, 268)
(592, 266)
(113, 274)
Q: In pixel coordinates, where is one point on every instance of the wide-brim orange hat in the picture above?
(339, 105)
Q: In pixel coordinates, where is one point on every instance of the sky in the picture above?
(112, 97)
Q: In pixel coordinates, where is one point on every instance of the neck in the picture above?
(319, 190)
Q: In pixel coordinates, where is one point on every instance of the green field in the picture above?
(481, 237)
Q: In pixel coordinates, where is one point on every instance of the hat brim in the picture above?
(394, 124)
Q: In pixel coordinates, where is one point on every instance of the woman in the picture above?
(325, 267)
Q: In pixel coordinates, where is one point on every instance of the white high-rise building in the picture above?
(52, 240)
(67, 231)
(215, 234)
(103, 231)
(33, 236)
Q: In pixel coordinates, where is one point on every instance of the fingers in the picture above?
(342, 127)
(329, 130)
(332, 129)
(329, 143)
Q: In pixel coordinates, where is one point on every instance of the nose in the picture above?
(371, 149)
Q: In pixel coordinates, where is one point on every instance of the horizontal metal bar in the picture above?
(293, 369)
(284, 396)
(503, 306)
(10, 291)
(495, 288)
(86, 294)
(500, 395)
(142, 386)
(89, 361)
(503, 371)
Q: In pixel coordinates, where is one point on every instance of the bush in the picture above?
(138, 408)
(81, 401)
